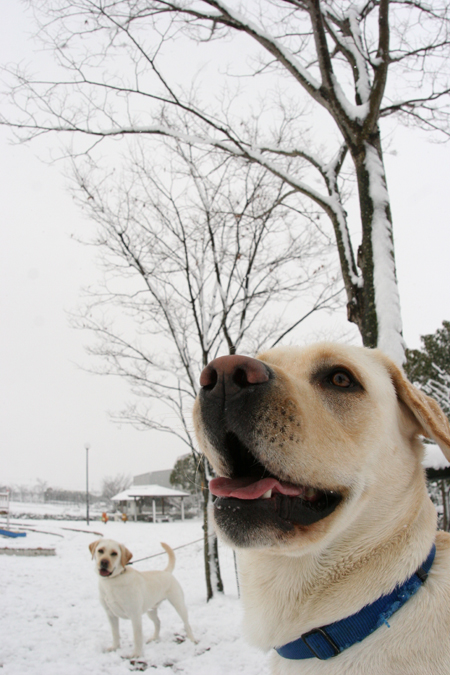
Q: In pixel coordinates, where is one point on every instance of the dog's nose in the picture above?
(228, 375)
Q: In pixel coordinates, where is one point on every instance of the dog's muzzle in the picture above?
(237, 391)
(103, 568)
(233, 388)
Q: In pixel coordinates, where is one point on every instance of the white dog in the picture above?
(322, 494)
(126, 593)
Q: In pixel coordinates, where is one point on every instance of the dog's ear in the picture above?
(126, 555)
(93, 546)
(431, 419)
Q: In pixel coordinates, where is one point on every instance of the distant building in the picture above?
(154, 478)
(434, 462)
(152, 497)
(151, 502)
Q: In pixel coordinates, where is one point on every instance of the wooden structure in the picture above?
(137, 496)
(437, 468)
(434, 462)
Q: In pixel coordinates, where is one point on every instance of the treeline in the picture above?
(33, 493)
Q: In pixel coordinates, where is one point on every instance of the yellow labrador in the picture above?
(126, 593)
(322, 494)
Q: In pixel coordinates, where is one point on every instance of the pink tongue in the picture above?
(247, 488)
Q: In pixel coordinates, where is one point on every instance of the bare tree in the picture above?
(332, 55)
(201, 255)
(40, 488)
(112, 485)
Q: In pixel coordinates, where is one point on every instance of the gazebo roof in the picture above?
(434, 458)
(136, 491)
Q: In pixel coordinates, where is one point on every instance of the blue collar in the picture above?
(331, 640)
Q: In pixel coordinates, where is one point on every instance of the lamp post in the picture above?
(87, 446)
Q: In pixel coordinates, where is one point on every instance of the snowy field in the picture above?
(51, 621)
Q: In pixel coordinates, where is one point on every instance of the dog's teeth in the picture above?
(267, 495)
(310, 493)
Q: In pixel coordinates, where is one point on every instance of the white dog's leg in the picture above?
(114, 623)
(138, 636)
(176, 598)
(153, 615)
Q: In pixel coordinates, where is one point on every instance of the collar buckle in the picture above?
(319, 648)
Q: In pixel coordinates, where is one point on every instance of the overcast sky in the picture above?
(50, 408)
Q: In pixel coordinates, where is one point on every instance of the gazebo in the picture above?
(137, 493)
(438, 471)
(436, 465)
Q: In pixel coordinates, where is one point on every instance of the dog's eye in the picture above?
(341, 379)
(100, 550)
(335, 378)
(113, 553)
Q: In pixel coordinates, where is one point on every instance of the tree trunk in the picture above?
(444, 507)
(214, 562)
(211, 551)
(380, 319)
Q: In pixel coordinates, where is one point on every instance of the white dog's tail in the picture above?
(171, 554)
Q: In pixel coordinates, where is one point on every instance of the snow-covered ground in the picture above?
(51, 621)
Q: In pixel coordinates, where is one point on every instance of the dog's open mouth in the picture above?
(253, 488)
(297, 504)
(104, 572)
